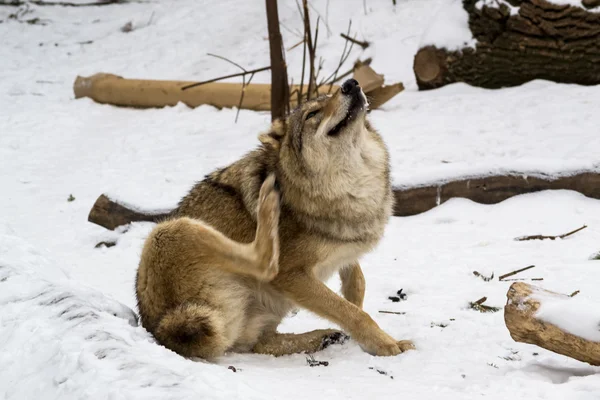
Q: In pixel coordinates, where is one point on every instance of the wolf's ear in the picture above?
(275, 135)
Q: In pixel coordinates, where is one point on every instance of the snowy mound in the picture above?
(59, 339)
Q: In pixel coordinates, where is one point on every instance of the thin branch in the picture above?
(296, 45)
(542, 237)
(502, 277)
(485, 278)
(17, 3)
(246, 72)
(522, 279)
(311, 50)
(320, 16)
(314, 52)
(364, 44)
(392, 312)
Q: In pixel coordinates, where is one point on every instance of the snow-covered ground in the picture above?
(52, 146)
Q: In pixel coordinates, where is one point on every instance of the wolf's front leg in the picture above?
(280, 344)
(314, 295)
(353, 284)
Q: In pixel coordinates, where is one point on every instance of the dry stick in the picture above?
(515, 272)
(253, 71)
(244, 84)
(17, 3)
(343, 59)
(350, 71)
(314, 75)
(542, 237)
(391, 312)
(480, 301)
(296, 45)
(364, 44)
(522, 279)
(311, 53)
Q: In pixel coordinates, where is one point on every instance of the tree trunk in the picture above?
(524, 326)
(279, 80)
(542, 40)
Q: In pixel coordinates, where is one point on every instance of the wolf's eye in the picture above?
(311, 114)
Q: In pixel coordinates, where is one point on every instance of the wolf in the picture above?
(256, 239)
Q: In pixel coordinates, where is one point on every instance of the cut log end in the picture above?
(428, 67)
(110, 214)
(523, 325)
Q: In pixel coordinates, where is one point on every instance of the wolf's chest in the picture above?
(332, 258)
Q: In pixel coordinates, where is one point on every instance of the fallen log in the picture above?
(409, 200)
(113, 89)
(490, 190)
(111, 214)
(529, 314)
(517, 41)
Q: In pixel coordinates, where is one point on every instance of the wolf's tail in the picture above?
(193, 330)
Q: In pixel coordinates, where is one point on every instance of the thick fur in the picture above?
(255, 239)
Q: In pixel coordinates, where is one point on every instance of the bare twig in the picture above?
(522, 279)
(392, 312)
(349, 72)
(485, 278)
(314, 74)
(332, 78)
(480, 301)
(542, 237)
(242, 74)
(311, 49)
(479, 306)
(361, 43)
(246, 72)
(575, 293)
(296, 45)
(502, 277)
(17, 3)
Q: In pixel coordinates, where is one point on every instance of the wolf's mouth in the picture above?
(351, 114)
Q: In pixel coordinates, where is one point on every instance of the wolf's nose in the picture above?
(349, 86)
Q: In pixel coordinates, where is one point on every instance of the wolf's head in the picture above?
(323, 135)
(328, 150)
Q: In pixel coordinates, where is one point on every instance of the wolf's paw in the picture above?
(267, 231)
(384, 345)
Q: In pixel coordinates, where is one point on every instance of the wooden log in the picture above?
(490, 190)
(542, 40)
(113, 89)
(524, 324)
(110, 214)
(409, 200)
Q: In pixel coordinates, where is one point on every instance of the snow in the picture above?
(52, 146)
(578, 316)
(450, 28)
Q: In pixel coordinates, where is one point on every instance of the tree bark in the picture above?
(524, 326)
(279, 80)
(559, 43)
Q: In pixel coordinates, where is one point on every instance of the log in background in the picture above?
(559, 43)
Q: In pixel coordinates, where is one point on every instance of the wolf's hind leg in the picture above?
(353, 284)
(280, 344)
(185, 240)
